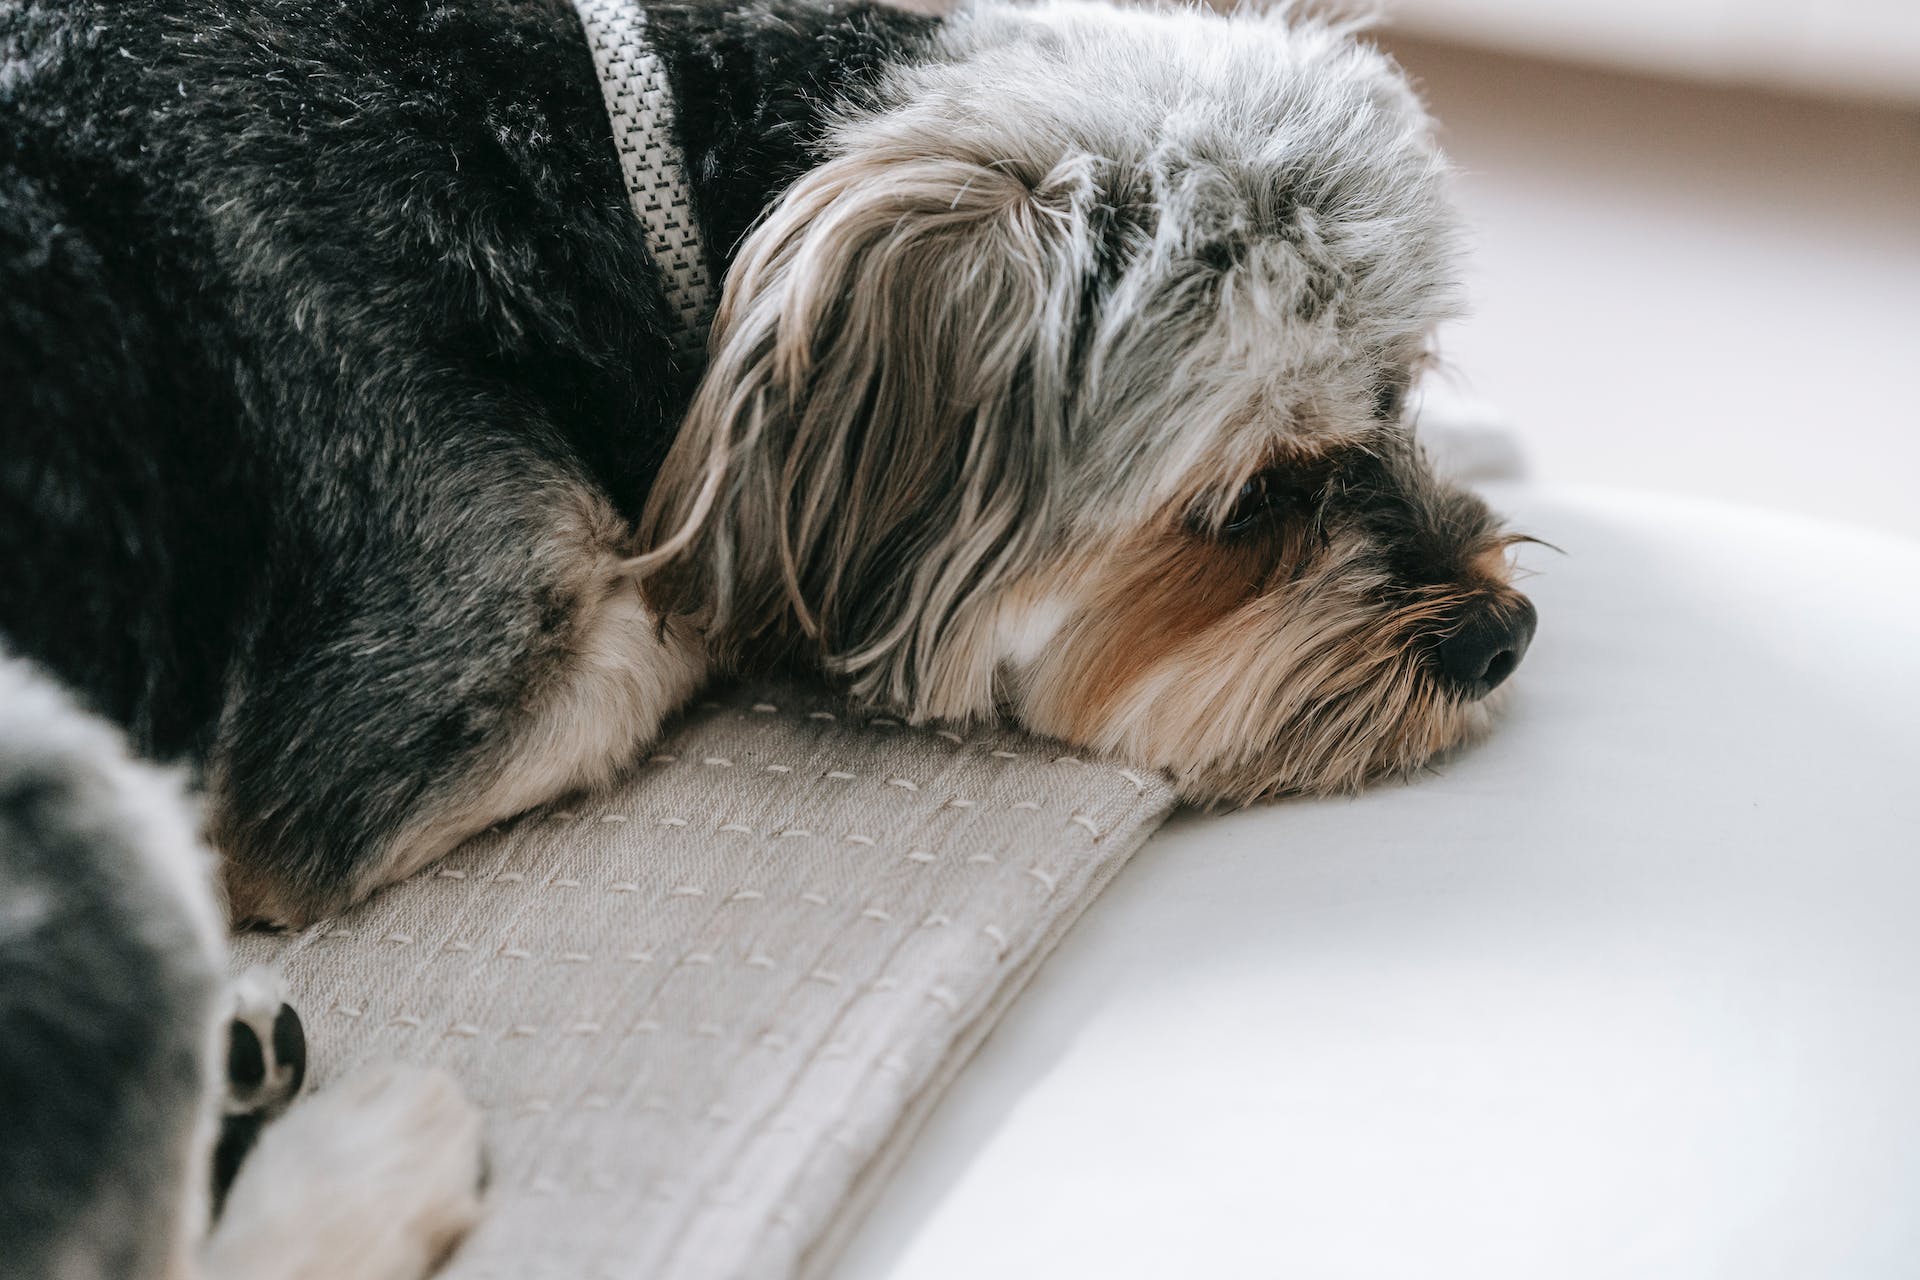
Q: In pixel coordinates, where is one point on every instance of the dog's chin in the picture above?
(1227, 750)
(1395, 750)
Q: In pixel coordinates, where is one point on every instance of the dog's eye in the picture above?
(1259, 499)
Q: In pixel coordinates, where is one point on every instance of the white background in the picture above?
(1690, 290)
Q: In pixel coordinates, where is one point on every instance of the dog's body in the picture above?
(337, 385)
(1057, 375)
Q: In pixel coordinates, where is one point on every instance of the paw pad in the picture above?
(266, 1065)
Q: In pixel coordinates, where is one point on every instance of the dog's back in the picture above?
(331, 383)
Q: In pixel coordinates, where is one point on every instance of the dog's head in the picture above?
(1071, 386)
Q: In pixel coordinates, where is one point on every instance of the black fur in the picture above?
(238, 1134)
(751, 81)
(310, 314)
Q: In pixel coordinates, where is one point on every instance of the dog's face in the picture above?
(1072, 386)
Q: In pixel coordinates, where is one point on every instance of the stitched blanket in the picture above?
(705, 1010)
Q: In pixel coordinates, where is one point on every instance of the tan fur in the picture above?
(579, 728)
(621, 677)
(1493, 566)
(614, 678)
(1150, 599)
(1249, 668)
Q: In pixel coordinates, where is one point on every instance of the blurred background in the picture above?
(1696, 240)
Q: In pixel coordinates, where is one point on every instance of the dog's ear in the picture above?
(875, 445)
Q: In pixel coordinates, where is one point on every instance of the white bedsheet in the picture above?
(1632, 989)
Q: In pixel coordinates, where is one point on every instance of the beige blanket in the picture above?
(705, 1011)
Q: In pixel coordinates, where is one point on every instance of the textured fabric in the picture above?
(705, 1010)
(640, 107)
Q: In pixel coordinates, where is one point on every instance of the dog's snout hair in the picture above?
(1286, 647)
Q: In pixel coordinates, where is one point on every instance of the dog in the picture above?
(370, 461)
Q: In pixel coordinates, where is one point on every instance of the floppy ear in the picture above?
(875, 445)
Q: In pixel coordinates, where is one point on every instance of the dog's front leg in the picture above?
(525, 664)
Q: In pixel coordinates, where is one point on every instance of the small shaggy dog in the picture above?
(368, 455)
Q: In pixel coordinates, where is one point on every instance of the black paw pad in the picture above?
(266, 1061)
(246, 1058)
(290, 1047)
(266, 1065)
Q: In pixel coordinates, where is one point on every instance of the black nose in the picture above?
(1485, 646)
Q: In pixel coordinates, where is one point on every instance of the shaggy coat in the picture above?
(332, 364)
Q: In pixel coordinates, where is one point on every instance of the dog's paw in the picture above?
(266, 1065)
(378, 1178)
(266, 1046)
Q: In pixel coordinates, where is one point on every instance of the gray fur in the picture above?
(109, 972)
